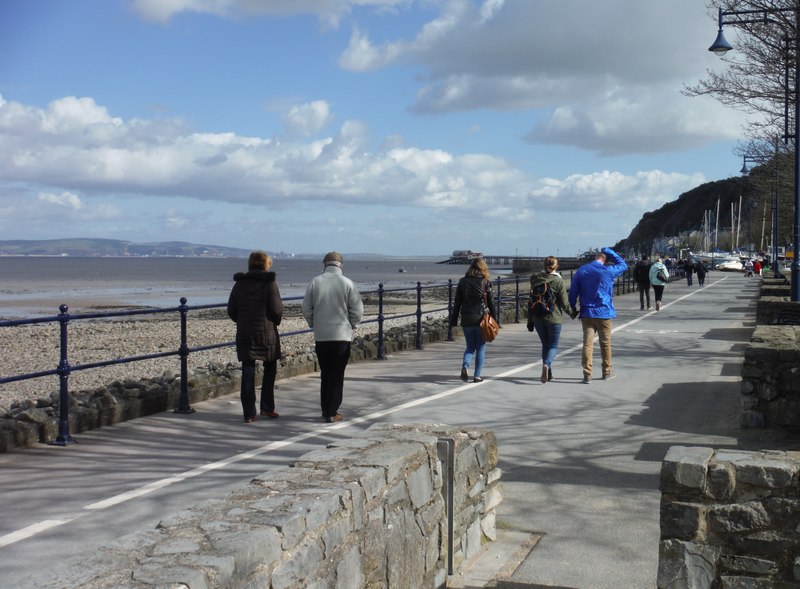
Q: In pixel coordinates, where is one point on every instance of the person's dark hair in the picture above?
(644, 257)
(478, 268)
(259, 260)
(550, 264)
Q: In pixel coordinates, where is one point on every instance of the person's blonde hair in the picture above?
(478, 268)
(551, 263)
(259, 260)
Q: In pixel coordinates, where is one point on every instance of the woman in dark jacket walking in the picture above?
(473, 295)
(255, 305)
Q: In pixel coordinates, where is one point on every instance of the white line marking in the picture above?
(32, 530)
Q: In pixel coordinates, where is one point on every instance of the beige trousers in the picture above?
(603, 329)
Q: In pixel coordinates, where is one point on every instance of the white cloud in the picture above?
(306, 119)
(65, 199)
(71, 170)
(611, 191)
(329, 12)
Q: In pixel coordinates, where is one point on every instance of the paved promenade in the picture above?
(580, 462)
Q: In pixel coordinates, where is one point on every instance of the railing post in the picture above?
(419, 315)
(63, 438)
(499, 303)
(450, 337)
(381, 350)
(183, 352)
(516, 301)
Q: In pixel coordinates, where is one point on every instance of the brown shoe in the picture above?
(544, 374)
(250, 419)
(334, 418)
(270, 414)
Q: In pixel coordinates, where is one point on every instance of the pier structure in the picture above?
(518, 264)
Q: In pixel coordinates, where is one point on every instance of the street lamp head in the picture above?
(720, 46)
(744, 169)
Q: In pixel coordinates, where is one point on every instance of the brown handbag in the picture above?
(489, 327)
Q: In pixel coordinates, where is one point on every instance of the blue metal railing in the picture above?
(64, 368)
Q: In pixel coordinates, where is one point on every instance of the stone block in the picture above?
(753, 420)
(685, 469)
(736, 518)
(162, 575)
(686, 565)
(296, 566)
(721, 481)
(747, 565)
(349, 572)
(759, 470)
(394, 457)
(420, 486)
(249, 548)
(683, 521)
(739, 582)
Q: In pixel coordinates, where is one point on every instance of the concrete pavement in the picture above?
(580, 462)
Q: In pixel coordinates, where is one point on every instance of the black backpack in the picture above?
(542, 301)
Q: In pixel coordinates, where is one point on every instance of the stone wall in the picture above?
(773, 296)
(771, 378)
(729, 519)
(368, 511)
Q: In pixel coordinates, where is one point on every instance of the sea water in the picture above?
(36, 286)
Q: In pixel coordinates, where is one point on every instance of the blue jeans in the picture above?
(549, 334)
(475, 347)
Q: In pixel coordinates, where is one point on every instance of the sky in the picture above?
(398, 127)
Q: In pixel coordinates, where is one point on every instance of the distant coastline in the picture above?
(117, 248)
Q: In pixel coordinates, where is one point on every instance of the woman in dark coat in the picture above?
(473, 297)
(255, 305)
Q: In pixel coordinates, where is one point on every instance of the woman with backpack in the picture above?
(546, 307)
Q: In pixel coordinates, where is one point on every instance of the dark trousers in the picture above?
(332, 358)
(644, 291)
(248, 393)
(658, 289)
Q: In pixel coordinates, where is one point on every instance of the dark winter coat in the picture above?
(255, 305)
(641, 272)
(469, 301)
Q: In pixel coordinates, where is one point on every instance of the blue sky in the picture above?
(404, 127)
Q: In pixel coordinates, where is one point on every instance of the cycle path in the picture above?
(580, 462)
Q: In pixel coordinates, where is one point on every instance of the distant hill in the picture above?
(685, 214)
(115, 247)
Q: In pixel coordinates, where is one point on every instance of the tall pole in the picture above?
(795, 283)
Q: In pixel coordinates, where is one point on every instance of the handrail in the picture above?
(64, 318)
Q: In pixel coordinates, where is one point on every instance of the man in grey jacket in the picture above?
(332, 307)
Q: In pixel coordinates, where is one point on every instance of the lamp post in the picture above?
(760, 159)
(721, 47)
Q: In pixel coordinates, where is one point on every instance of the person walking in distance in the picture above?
(641, 275)
(688, 268)
(593, 286)
(255, 305)
(546, 309)
(332, 307)
(473, 298)
(659, 276)
(700, 270)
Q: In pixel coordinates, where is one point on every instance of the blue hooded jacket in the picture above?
(593, 284)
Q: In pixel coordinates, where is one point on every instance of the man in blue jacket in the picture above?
(593, 284)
